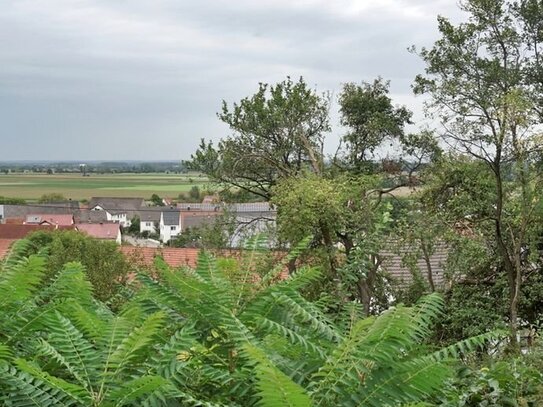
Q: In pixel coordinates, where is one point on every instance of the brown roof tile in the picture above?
(8, 231)
(5, 245)
(100, 230)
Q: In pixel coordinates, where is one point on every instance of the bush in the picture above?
(105, 266)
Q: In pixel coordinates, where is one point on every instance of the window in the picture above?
(173, 227)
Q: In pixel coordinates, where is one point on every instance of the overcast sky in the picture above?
(143, 79)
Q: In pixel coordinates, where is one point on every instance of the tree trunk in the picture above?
(329, 245)
(429, 271)
(508, 264)
(366, 285)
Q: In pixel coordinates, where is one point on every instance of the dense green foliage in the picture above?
(205, 338)
(105, 266)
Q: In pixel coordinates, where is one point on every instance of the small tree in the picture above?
(105, 265)
(156, 200)
(134, 227)
(52, 197)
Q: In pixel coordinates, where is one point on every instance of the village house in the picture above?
(150, 219)
(170, 224)
(120, 210)
(52, 219)
(103, 231)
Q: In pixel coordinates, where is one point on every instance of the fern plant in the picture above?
(277, 343)
(201, 338)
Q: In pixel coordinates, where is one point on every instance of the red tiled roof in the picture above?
(177, 257)
(5, 245)
(173, 256)
(15, 221)
(100, 230)
(53, 219)
(8, 231)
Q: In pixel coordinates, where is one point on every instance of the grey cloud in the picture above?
(143, 79)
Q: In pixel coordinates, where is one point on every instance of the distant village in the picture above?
(108, 217)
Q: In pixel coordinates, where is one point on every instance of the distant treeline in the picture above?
(174, 167)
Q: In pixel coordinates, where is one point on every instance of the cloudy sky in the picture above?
(143, 79)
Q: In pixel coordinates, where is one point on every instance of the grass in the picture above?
(75, 186)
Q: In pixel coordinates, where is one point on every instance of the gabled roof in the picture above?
(116, 205)
(195, 219)
(54, 219)
(86, 216)
(100, 230)
(150, 214)
(21, 211)
(171, 217)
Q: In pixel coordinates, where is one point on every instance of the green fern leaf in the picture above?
(275, 388)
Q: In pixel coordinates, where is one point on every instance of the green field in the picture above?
(75, 186)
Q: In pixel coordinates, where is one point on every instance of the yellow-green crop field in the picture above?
(75, 186)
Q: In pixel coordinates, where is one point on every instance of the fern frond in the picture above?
(275, 388)
(68, 346)
(88, 322)
(292, 255)
(465, 346)
(136, 343)
(18, 250)
(412, 382)
(314, 320)
(167, 362)
(70, 282)
(271, 327)
(29, 386)
(5, 352)
(19, 281)
(134, 390)
(342, 366)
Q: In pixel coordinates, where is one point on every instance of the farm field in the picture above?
(75, 186)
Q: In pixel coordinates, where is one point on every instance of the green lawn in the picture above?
(75, 186)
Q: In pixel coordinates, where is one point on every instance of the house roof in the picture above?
(5, 245)
(185, 206)
(87, 216)
(251, 207)
(174, 257)
(100, 230)
(403, 276)
(178, 257)
(171, 217)
(150, 214)
(21, 211)
(194, 219)
(117, 205)
(8, 231)
(53, 219)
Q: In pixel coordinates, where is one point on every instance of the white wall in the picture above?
(167, 231)
(147, 226)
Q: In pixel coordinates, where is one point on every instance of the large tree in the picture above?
(371, 120)
(480, 78)
(277, 132)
